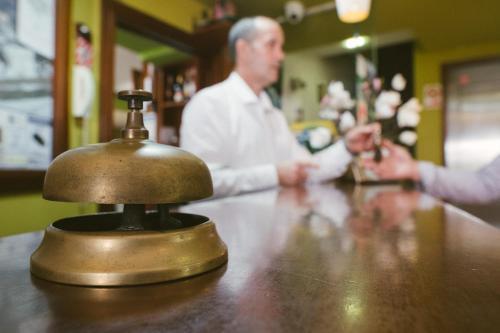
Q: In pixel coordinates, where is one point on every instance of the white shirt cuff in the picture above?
(268, 176)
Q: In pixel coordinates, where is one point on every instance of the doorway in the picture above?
(205, 49)
(472, 122)
(143, 63)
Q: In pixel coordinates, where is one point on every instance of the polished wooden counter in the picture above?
(326, 258)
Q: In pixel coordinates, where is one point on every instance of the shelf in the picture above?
(174, 105)
(213, 36)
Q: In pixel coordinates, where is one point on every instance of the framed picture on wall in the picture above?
(33, 89)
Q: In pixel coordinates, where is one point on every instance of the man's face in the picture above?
(263, 55)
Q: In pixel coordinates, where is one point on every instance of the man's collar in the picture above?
(242, 89)
(247, 95)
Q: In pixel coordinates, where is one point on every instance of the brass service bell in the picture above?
(135, 246)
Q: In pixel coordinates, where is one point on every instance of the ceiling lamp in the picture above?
(355, 42)
(353, 11)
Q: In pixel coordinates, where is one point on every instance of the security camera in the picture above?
(294, 11)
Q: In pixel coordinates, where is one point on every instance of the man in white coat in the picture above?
(245, 141)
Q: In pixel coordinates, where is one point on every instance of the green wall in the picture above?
(428, 66)
(318, 72)
(28, 211)
(149, 50)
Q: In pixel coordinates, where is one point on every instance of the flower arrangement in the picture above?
(399, 120)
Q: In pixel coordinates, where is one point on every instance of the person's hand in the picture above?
(362, 138)
(294, 172)
(398, 164)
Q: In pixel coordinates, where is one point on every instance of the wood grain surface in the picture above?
(323, 259)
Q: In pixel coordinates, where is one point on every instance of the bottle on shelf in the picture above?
(203, 21)
(178, 89)
(190, 82)
(169, 87)
(229, 9)
(218, 11)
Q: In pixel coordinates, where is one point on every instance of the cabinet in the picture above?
(174, 84)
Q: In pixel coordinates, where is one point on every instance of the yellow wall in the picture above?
(180, 14)
(428, 66)
(28, 212)
(89, 13)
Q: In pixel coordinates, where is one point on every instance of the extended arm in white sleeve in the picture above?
(230, 181)
(482, 186)
(333, 162)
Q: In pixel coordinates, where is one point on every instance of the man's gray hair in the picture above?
(246, 28)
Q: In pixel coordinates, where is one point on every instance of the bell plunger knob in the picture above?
(134, 129)
(135, 98)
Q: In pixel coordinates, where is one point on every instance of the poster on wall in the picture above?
(35, 25)
(26, 73)
(433, 96)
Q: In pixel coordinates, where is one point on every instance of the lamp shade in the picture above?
(352, 11)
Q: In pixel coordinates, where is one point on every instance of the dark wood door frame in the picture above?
(115, 14)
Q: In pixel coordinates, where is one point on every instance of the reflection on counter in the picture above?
(324, 239)
(326, 258)
(91, 305)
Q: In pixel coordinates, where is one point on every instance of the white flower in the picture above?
(361, 66)
(398, 82)
(408, 138)
(319, 137)
(329, 114)
(408, 118)
(335, 87)
(339, 98)
(384, 111)
(408, 114)
(392, 98)
(412, 104)
(386, 103)
(347, 121)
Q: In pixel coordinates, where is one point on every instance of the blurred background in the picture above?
(62, 61)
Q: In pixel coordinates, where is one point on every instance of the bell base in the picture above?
(72, 252)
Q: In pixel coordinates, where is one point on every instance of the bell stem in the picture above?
(134, 129)
(133, 217)
(166, 221)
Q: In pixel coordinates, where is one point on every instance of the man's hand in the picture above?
(362, 138)
(294, 173)
(398, 164)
